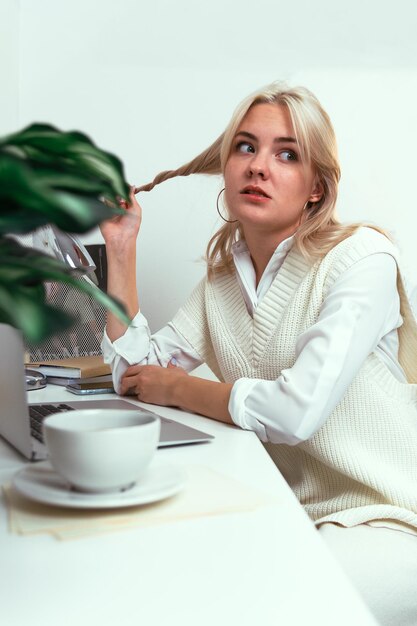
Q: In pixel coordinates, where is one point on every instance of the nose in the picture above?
(258, 166)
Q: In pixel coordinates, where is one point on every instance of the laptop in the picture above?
(25, 433)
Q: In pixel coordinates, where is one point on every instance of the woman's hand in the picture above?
(172, 386)
(152, 383)
(121, 229)
(120, 234)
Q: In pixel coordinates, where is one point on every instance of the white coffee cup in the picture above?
(101, 450)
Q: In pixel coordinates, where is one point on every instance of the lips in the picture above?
(256, 191)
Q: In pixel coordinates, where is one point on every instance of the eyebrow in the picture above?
(244, 133)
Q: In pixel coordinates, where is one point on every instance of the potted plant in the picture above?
(50, 177)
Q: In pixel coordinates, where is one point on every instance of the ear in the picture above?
(317, 191)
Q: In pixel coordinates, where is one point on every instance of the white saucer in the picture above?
(41, 483)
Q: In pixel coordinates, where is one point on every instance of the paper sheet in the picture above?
(206, 493)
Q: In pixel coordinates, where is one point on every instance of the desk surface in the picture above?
(265, 567)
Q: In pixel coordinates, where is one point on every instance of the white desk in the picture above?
(266, 568)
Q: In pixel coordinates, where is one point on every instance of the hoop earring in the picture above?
(218, 210)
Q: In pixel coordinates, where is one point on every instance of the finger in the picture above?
(134, 205)
(129, 376)
(132, 196)
(173, 362)
(132, 370)
(128, 387)
(128, 383)
(131, 203)
(129, 392)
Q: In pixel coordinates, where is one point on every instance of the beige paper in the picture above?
(206, 493)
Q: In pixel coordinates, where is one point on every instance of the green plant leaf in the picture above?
(48, 176)
(31, 199)
(74, 149)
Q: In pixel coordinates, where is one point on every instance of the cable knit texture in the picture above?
(362, 463)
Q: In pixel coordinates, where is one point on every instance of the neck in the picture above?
(261, 249)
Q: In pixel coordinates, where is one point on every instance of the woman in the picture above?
(299, 318)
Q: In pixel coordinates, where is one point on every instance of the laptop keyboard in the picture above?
(38, 412)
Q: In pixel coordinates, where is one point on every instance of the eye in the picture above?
(244, 146)
(288, 155)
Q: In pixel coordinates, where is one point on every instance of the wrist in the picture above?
(121, 249)
(178, 390)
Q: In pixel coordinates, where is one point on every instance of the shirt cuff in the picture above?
(127, 345)
(237, 407)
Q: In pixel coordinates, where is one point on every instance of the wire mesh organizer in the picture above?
(85, 336)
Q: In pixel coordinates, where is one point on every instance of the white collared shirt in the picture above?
(286, 410)
(245, 274)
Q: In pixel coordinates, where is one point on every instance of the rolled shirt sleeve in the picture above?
(139, 347)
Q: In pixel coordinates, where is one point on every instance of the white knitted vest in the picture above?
(362, 463)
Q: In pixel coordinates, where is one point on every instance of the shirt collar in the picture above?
(240, 247)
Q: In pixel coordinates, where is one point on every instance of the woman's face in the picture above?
(267, 185)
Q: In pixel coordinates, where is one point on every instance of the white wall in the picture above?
(9, 66)
(156, 82)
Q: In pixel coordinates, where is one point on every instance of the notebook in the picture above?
(15, 422)
(79, 367)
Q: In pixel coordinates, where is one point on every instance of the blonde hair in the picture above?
(321, 230)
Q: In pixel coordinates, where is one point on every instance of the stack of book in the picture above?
(67, 371)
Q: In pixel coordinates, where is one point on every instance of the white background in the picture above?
(156, 82)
